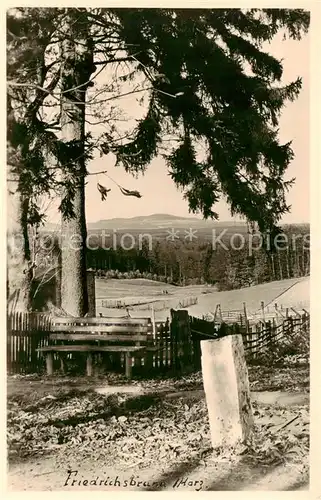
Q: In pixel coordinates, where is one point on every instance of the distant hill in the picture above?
(154, 221)
(160, 223)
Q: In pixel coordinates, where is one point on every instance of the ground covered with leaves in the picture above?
(66, 418)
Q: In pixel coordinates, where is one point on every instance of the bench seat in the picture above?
(93, 348)
(135, 334)
(101, 337)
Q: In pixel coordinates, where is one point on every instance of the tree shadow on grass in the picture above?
(240, 475)
(111, 408)
(187, 467)
(298, 485)
(105, 409)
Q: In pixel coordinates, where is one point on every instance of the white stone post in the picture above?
(227, 392)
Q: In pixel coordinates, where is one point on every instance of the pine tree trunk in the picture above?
(273, 267)
(302, 269)
(77, 66)
(288, 263)
(280, 265)
(307, 266)
(297, 263)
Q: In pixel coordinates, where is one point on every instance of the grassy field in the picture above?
(118, 288)
(143, 293)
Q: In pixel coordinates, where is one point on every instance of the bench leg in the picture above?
(89, 364)
(149, 361)
(62, 364)
(128, 358)
(138, 362)
(116, 361)
(138, 359)
(49, 363)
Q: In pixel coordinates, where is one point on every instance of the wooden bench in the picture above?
(94, 335)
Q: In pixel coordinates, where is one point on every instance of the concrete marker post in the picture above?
(227, 391)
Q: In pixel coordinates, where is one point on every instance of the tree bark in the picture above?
(77, 66)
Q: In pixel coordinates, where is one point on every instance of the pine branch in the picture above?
(11, 83)
(120, 59)
(33, 108)
(42, 282)
(97, 173)
(86, 84)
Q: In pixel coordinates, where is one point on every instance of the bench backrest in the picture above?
(111, 329)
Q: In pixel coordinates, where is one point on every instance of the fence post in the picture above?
(49, 363)
(196, 345)
(161, 344)
(263, 311)
(245, 312)
(249, 334)
(9, 342)
(153, 322)
(228, 403)
(215, 313)
(181, 330)
(272, 332)
(256, 343)
(173, 341)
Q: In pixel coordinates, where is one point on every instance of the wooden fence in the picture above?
(264, 336)
(148, 304)
(256, 337)
(265, 313)
(178, 342)
(25, 333)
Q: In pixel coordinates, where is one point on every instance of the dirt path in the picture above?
(281, 398)
(101, 469)
(224, 473)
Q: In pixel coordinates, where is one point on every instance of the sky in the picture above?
(160, 195)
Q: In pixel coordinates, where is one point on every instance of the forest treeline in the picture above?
(228, 265)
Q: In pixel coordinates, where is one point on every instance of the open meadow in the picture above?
(139, 295)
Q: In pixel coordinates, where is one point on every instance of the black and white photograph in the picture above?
(158, 248)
